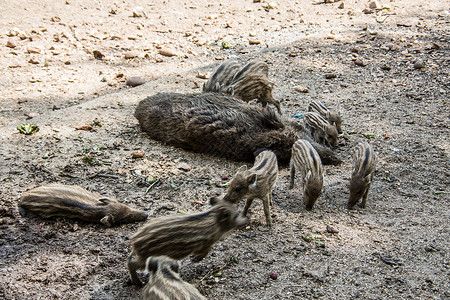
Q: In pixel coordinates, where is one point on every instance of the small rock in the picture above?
(331, 229)
(273, 275)
(341, 5)
(135, 81)
(138, 154)
(368, 11)
(301, 89)
(131, 54)
(419, 65)
(138, 12)
(34, 50)
(330, 75)
(33, 61)
(254, 42)
(97, 54)
(32, 115)
(11, 44)
(360, 63)
(202, 75)
(184, 167)
(375, 5)
(167, 52)
(225, 177)
(385, 67)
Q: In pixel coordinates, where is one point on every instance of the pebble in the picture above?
(385, 67)
(375, 5)
(301, 89)
(331, 229)
(34, 50)
(32, 115)
(135, 81)
(184, 167)
(419, 65)
(341, 6)
(11, 44)
(138, 154)
(131, 54)
(33, 61)
(254, 42)
(138, 12)
(330, 75)
(273, 275)
(97, 54)
(167, 52)
(360, 63)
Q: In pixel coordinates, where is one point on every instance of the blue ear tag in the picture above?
(298, 116)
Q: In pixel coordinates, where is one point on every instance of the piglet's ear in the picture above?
(308, 176)
(251, 179)
(106, 201)
(107, 220)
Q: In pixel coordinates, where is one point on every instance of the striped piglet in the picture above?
(222, 76)
(364, 160)
(255, 183)
(306, 160)
(332, 116)
(321, 129)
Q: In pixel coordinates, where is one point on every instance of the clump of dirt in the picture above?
(388, 78)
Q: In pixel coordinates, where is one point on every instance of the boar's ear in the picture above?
(251, 180)
(214, 200)
(105, 200)
(308, 176)
(242, 169)
(107, 220)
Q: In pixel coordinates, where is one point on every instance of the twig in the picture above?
(150, 186)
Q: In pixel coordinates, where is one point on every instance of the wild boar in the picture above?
(222, 76)
(221, 125)
(333, 117)
(165, 283)
(57, 200)
(255, 183)
(306, 160)
(255, 67)
(181, 235)
(321, 129)
(364, 160)
(253, 87)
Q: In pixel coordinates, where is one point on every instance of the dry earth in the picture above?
(391, 87)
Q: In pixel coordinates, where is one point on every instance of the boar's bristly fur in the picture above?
(221, 125)
(57, 200)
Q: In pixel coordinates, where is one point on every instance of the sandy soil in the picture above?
(391, 87)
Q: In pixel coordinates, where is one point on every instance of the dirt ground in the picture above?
(391, 84)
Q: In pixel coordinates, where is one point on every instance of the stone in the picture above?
(34, 50)
(138, 154)
(167, 52)
(131, 54)
(330, 75)
(11, 44)
(419, 64)
(97, 54)
(375, 5)
(135, 81)
(184, 167)
(301, 89)
(138, 12)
